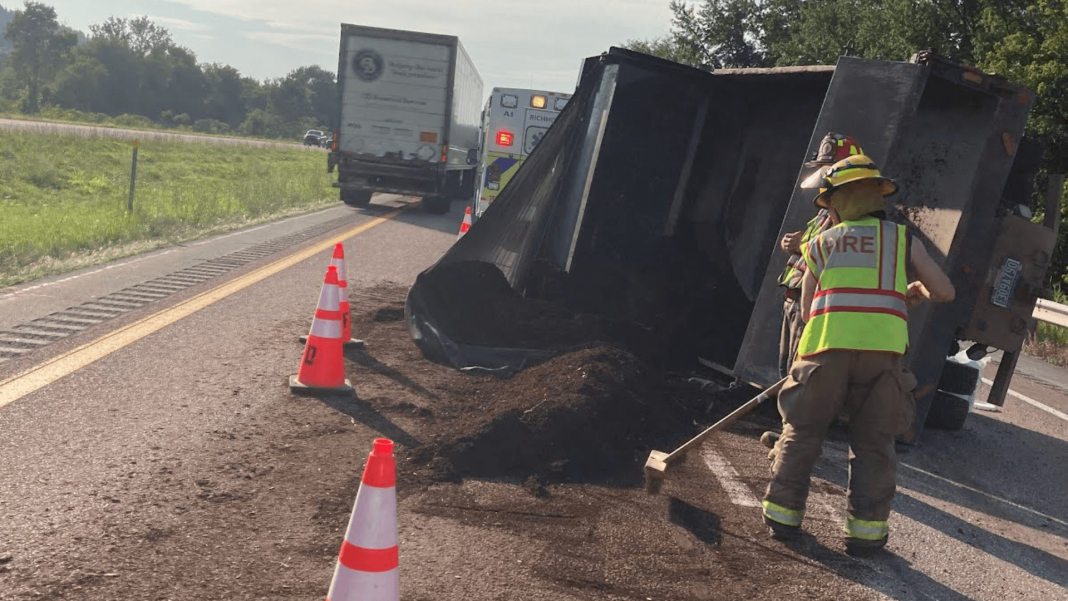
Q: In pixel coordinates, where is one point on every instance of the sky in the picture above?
(513, 43)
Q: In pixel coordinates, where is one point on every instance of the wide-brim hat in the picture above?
(853, 169)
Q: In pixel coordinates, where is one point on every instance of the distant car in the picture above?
(326, 140)
(314, 137)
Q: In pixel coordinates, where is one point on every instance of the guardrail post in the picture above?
(133, 178)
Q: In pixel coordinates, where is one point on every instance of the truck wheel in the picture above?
(948, 412)
(356, 198)
(467, 185)
(958, 378)
(437, 205)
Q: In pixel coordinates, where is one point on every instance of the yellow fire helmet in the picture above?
(852, 169)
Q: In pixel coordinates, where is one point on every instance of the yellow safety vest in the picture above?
(795, 266)
(859, 302)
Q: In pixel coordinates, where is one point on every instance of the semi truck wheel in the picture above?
(948, 412)
(356, 198)
(958, 378)
(437, 205)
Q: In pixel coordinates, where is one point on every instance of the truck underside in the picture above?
(360, 177)
(649, 214)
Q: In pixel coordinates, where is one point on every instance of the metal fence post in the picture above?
(133, 178)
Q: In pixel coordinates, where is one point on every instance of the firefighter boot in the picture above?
(782, 532)
(861, 547)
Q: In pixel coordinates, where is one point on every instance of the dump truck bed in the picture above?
(649, 214)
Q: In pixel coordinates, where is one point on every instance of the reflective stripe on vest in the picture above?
(859, 303)
(867, 529)
(782, 515)
(859, 300)
(795, 265)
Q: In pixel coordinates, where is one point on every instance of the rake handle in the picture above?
(727, 420)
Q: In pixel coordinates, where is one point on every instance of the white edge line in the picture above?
(1032, 401)
(985, 494)
(729, 479)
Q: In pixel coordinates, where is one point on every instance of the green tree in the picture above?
(717, 33)
(1030, 47)
(40, 47)
(666, 47)
(322, 94)
(224, 100)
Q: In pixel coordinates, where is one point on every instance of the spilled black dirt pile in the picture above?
(589, 415)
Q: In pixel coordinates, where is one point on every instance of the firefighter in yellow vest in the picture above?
(833, 148)
(854, 296)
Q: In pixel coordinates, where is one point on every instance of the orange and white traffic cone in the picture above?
(338, 260)
(466, 225)
(322, 366)
(367, 566)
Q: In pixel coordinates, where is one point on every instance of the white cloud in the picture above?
(299, 41)
(509, 40)
(178, 24)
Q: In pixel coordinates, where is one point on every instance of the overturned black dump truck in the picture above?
(650, 214)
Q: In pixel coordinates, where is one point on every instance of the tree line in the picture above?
(134, 67)
(1023, 40)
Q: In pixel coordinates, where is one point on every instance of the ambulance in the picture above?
(513, 123)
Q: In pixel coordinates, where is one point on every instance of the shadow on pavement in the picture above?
(1000, 459)
(904, 583)
(361, 357)
(1029, 559)
(703, 525)
(415, 214)
(368, 416)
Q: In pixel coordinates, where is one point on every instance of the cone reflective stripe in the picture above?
(342, 280)
(367, 566)
(322, 366)
(466, 225)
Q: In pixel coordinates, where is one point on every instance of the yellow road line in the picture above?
(44, 374)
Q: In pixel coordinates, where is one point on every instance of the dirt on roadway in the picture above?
(544, 468)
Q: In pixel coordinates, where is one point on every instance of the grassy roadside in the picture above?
(63, 198)
(73, 117)
(1050, 342)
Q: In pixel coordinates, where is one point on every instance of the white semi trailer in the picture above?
(409, 123)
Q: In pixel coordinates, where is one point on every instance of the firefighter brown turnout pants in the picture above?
(790, 336)
(875, 389)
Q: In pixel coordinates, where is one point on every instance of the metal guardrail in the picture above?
(1050, 312)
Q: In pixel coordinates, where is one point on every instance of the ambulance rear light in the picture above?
(560, 104)
(509, 101)
(505, 138)
(538, 101)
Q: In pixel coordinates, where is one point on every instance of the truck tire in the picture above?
(356, 198)
(948, 412)
(436, 205)
(467, 185)
(958, 378)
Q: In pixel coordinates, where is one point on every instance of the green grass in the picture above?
(63, 198)
(54, 114)
(1050, 342)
